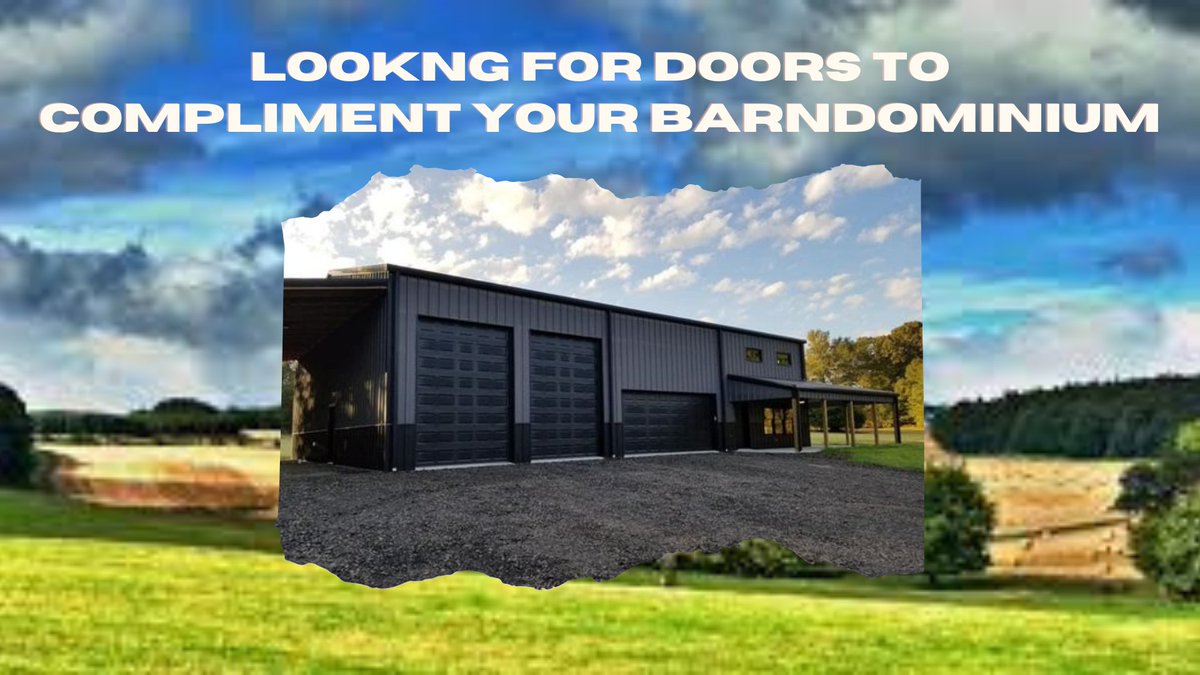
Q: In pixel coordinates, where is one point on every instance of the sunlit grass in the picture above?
(157, 593)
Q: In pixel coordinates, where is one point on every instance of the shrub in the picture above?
(1147, 487)
(1166, 548)
(755, 558)
(1187, 439)
(958, 523)
(16, 443)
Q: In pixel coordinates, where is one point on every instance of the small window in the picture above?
(753, 355)
(783, 358)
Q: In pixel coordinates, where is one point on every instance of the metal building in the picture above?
(401, 368)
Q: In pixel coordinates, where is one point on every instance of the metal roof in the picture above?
(807, 389)
(313, 308)
(376, 270)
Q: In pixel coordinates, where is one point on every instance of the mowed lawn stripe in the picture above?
(74, 603)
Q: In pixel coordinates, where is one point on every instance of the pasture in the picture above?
(89, 588)
(1054, 517)
(202, 477)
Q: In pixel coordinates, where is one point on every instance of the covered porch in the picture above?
(774, 414)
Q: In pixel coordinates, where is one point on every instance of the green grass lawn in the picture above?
(156, 593)
(909, 455)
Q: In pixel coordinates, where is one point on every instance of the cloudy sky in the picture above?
(136, 266)
(839, 250)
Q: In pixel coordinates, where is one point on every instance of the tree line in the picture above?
(890, 362)
(176, 416)
(1133, 418)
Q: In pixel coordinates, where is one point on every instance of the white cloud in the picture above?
(57, 46)
(619, 271)
(675, 276)
(698, 233)
(700, 259)
(883, 231)
(421, 219)
(750, 290)
(904, 291)
(855, 300)
(816, 226)
(617, 237)
(1064, 344)
(563, 229)
(786, 225)
(839, 284)
(844, 179)
(1025, 48)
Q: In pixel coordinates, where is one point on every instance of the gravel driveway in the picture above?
(545, 524)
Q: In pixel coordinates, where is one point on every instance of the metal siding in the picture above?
(654, 355)
(736, 343)
(351, 362)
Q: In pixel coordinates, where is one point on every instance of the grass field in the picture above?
(909, 455)
(87, 588)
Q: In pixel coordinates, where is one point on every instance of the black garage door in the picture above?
(564, 396)
(656, 422)
(463, 399)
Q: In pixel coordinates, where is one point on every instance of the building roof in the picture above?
(314, 308)
(810, 389)
(374, 271)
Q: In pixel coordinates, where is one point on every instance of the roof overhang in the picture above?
(744, 388)
(314, 308)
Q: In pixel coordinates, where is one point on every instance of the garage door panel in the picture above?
(464, 403)
(661, 422)
(564, 402)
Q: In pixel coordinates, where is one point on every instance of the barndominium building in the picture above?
(403, 369)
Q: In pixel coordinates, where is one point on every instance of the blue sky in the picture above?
(1046, 259)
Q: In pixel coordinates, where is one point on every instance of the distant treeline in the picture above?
(178, 416)
(1134, 418)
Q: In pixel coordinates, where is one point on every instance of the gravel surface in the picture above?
(544, 524)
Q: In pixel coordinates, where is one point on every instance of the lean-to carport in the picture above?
(337, 329)
(744, 389)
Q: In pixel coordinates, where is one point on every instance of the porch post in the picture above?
(825, 421)
(849, 417)
(896, 417)
(796, 424)
(875, 423)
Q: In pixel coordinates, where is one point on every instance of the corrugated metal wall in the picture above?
(664, 356)
(648, 354)
(349, 368)
(736, 344)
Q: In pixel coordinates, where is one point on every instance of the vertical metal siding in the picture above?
(735, 347)
(662, 356)
(353, 362)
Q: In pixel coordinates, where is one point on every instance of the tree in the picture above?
(1187, 439)
(1166, 548)
(184, 406)
(817, 355)
(911, 388)
(16, 439)
(958, 524)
